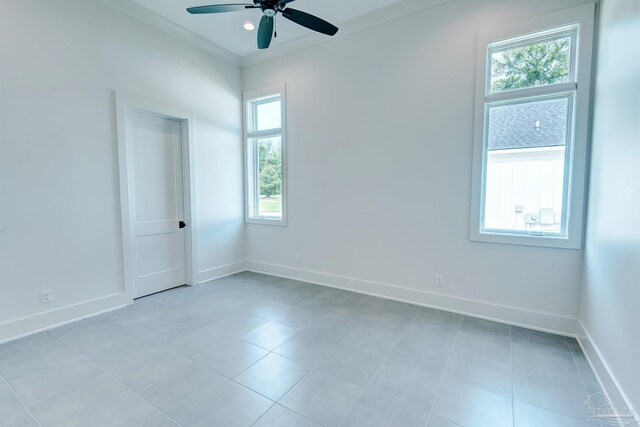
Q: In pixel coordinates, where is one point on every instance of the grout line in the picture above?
(388, 355)
(288, 390)
(571, 416)
(229, 379)
(563, 415)
(575, 364)
(116, 379)
(263, 414)
(311, 368)
(20, 400)
(32, 351)
(364, 389)
(453, 344)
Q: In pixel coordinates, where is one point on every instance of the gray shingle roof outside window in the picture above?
(528, 124)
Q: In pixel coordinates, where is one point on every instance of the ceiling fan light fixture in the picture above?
(249, 26)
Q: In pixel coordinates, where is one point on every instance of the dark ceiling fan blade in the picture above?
(284, 2)
(220, 8)
(265, 32)
(311, 22)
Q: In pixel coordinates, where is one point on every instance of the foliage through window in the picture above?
(536, 64)
(265, 158)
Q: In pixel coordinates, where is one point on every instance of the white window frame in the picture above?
(576, 150)
(250, 153)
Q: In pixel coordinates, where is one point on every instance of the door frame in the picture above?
(126, 102)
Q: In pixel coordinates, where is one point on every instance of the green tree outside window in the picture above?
(536, 64)
(270, 167)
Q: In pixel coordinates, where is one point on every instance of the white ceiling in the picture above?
(226, 29)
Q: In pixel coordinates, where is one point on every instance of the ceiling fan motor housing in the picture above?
(269, 7)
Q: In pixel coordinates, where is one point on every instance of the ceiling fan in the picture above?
(270, 8)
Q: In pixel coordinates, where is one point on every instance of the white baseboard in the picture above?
(219, 272)
(30, 325)
(510, 315)
(22, 327)
(608, 382)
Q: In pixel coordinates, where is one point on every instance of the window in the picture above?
(265, 156)
(530, 149)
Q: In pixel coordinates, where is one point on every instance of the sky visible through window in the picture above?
(268, 115)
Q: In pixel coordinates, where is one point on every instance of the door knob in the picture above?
(182, 224)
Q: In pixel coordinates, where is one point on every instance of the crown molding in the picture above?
(175, 30)
(359, 23)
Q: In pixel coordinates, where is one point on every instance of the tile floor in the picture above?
(258, 350)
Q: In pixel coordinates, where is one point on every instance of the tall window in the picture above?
(265, 156)
(531, 131)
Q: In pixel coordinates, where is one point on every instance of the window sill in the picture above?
(526, 240)
(266, 221)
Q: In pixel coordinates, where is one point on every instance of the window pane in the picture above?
(270, 177)
(268, 115)
(525, 170)
(537, 64)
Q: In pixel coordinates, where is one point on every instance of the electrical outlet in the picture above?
(298, 259)
(46, 296)
(439, 280)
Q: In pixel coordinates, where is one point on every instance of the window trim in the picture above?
(577, 146)
(251, 163)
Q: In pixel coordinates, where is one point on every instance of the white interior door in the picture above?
(158, 203)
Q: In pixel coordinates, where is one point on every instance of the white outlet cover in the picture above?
(46, 296)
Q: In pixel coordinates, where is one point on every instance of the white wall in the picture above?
(380, 131)
(610, 311)
(60, 63)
